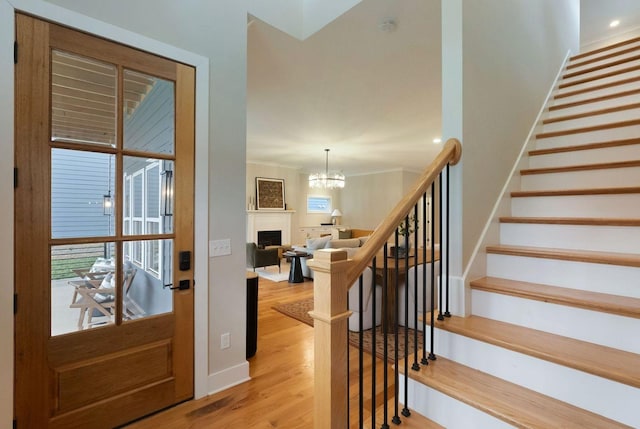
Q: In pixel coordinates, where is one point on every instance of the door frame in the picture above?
(57, 14)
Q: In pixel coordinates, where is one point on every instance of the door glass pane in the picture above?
(83, 100)
(148, 197)
(147, 280)
(82, 286)
(149, 113)
(82, 194)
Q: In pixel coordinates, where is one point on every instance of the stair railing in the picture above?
(336, 404)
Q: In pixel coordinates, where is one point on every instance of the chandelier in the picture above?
(326, 180)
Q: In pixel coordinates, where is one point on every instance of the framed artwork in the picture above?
(269, 193)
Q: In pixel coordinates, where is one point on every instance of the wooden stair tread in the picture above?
(415, 421)
(572, 221)
(582, 167)
(602, 66)
(592, 113)
(587, 146)
(597, 87)
(576, 64)
(568, 192)
(589, 129)
(506, 401)
(606, 362)
(596, 301)
(594, 100)
(604, 49)
(607, 258)
(598, 77)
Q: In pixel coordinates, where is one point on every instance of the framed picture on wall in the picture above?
(269, 193)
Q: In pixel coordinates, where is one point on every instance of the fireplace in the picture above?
(269, 220)
(270, 238)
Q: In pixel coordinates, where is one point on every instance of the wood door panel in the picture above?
(87, 382)
(110, 413)
(104, 376)
(67, 349)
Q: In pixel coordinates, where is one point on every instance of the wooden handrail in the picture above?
(450, 154)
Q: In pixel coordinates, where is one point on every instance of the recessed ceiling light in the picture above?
(437, 140)
(614, 23)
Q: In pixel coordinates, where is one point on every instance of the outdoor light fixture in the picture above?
(167, 193)
(107, 204)
(326, 180)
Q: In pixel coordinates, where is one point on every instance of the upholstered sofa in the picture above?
(350, 245)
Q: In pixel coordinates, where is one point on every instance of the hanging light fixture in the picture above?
(326, 180)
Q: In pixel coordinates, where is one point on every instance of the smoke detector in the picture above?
(388, 25)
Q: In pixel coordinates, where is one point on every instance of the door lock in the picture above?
(182, 285)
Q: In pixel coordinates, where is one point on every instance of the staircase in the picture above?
(554, 336)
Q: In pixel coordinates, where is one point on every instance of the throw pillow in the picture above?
(344, 234)
(317, 243)
(363, 240)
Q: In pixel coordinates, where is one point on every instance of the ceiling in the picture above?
(371, 96)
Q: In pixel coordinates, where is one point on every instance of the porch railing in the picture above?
(372, 309)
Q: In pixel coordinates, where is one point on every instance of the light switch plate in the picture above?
(220, 247)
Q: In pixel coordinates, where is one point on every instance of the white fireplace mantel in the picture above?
(268, 220)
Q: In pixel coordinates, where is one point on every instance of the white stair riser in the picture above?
(618, 56)
(609, 134)
(593, 106)
(545, 377)
(583, 179)
(445, 410)
(603, 278)
(598, 73)
(619, 87)
(600, 80)
(590, 121)
(615, 205)
(585, 157)
(609, 330)
(579, 237)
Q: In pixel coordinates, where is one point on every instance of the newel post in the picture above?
(330, 316)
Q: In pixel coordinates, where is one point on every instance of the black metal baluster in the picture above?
(446, 313)
(396, 378)
(425, 243)
(385, 331)
(415, 366)
(360, 354)
(405, 409)
(373, 345)
(432, 355)
(440, 315)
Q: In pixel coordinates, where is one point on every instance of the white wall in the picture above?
(511, 51)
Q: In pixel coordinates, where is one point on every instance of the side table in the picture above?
(295, 273)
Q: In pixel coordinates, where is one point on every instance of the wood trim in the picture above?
(573, 65)
(584, 167)
(588, 146)
(601, 67)
(571, 221)
(619, 365)
(32, 204)
(509, 402)
(601, 127)
(184, 185)
(594, 100)
(569, 192)
(607, 258)
(606, 48)
(592, 113)
(450, 154)
(606, 303)
(77, 42)
(598, 77)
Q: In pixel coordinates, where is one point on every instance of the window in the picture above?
(318, 204)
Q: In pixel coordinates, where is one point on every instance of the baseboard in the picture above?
(459, 297)
(228, 377)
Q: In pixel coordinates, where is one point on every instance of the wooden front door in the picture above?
(104, 152)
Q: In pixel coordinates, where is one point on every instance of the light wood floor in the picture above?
(280, 393)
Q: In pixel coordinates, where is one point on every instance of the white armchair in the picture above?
(402, 293)
(367, 302)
